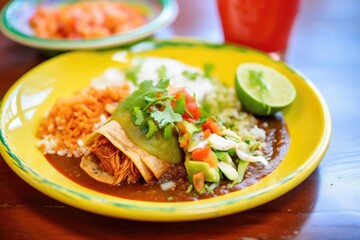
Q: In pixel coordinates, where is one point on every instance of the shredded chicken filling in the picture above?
(114, 162)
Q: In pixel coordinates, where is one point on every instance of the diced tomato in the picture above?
(192, 108)
(206, 125)
(215, 128)
(184, 140)
(199, 181)
(181, 127)
(201, 153)
(207, 133)
(211, 159)
(212, 126)
(187, 95)
(205, 154)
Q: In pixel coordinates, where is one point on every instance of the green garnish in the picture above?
(168, 131)
(131, 74)
(241, 173)
(208, 69)
(210, 187)
(190, 180)
(151, 108)
(180, 104)
(254, 147)
(205, 114)
(256, 77)
(161, 71)
(138, 116)
(166, 116)
(190, 187)
(191, 75)
(152, 129)
(146, 89)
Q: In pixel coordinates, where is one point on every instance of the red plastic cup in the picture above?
(261, 24)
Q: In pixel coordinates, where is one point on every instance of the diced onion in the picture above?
(200, 145)
(219, 143)
(231, 134)
(167, 185)
(247, 157)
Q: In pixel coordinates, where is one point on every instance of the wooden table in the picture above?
(325, 46)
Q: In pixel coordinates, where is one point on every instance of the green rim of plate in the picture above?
(161, 212)
(167, 14)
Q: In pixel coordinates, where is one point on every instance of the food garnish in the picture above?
(263, 90)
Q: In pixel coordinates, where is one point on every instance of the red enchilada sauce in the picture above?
(277, 143)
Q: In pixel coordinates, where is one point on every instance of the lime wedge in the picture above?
(263, 90)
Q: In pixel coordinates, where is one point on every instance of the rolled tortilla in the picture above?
(147, 164)
(90, 164)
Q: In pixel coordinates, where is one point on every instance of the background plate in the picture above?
(25, 104)
(16, 14)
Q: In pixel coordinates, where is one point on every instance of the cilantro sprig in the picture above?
(151, 107)
(257, 79)
(191, 75)
(166, 116)
(146, 89)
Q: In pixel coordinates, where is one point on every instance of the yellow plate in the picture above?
(27, 101)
